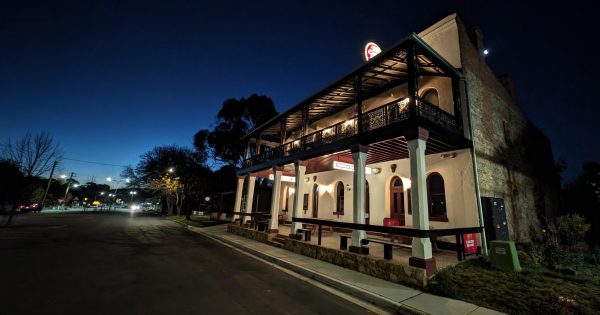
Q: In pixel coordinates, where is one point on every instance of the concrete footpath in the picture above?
(387, 295)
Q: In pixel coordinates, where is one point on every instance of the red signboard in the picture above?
(390, 222)
(470, 243)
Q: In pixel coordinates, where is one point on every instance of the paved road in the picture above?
(121, 264)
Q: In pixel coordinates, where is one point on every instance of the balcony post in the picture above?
(257, 148)
(359, 155)
(300, 169)
(421, 247)
(304, 120)
(359, 106)
(413, 78)
(283, 130)
(249, 197)
(237, 207)
(274, 223)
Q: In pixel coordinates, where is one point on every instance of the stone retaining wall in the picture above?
(380, 268)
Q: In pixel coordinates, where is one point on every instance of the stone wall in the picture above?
(248, 233)
(380, 268)
(514, 158)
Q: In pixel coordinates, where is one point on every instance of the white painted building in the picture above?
(389, 142)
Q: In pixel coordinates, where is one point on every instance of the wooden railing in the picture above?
(381, 116)
(457, 232)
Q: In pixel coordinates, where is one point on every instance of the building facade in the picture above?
(419, 135)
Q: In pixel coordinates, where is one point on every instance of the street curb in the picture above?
(357, 292)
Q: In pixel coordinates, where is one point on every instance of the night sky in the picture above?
(112, 79)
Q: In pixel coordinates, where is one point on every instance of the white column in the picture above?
(238, 198)
(421, 247)
(358, 195)
(274, 223)
(298, 195)
(249, 197)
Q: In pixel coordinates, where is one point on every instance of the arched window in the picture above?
(431, 96)
(397, 200)
(436, 196)
(339, 193)
(315, 201)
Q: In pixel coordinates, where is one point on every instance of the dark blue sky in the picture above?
(112, 79)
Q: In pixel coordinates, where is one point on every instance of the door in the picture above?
(397, 200)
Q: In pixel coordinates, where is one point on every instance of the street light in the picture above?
(117, 186)
(132, 193)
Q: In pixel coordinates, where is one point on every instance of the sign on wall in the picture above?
(337, 165)
(371, 50)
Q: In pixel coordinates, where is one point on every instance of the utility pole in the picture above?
(68, 186)
(49, 181)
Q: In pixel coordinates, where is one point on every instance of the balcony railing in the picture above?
(382, 116)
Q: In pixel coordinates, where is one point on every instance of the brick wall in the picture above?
(514, 158)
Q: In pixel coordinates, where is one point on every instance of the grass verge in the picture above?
(535, 290)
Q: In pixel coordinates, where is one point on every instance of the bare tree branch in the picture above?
(34, 154)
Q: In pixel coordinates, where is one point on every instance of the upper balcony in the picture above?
(378, 101)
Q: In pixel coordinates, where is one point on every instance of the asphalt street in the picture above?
(102, 263)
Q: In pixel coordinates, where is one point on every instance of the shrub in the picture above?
(571, 229)
(442, 283)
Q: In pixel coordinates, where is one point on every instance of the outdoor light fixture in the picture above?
(307, 179)
(63, 176)
(448, 155)
(171, 170)
(348, 187)
(207, 198)
(376, 170)
(393, 167)
(486, 52)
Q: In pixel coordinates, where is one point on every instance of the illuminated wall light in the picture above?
(327, 131)
(404, 101)
(376, 170)
(348, 123)
(406, 183)
(306, 179)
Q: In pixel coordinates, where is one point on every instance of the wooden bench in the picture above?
(387, 246)
(307, 233)
(344, 241)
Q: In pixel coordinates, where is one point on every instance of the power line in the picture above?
(92, 162)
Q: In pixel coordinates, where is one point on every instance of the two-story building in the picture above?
(418, 134)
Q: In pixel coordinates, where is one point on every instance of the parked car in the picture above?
(30, 206)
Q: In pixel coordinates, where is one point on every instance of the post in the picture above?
(413, 79)
(359, 155)
(358, 101)
(249, 197)
(67, 190)
(274, 223)
(421, 247)
(296, 211)
(48, 187)
(237, 206)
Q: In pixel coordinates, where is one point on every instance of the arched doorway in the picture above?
(397, 200)
(315, 201)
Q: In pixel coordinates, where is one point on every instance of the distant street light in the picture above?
(171, 170)
(117, 186)
(132, 193)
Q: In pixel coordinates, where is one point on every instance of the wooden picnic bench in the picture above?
(387, 246)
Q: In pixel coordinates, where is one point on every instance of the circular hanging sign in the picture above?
(371, 50)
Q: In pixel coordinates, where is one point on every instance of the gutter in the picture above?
(475, 171)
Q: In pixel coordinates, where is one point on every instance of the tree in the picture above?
(582, 196)
(34, 154)
(179, 174)
(235, 119)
